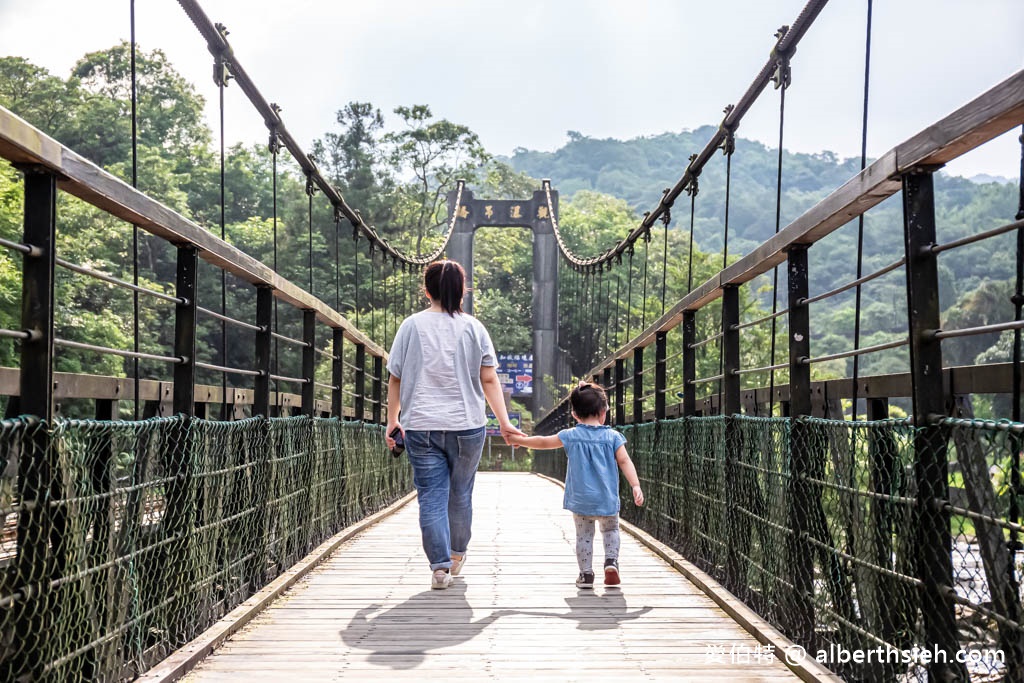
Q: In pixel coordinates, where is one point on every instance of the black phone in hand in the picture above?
(399, 448)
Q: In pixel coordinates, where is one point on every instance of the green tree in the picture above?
(432, 154)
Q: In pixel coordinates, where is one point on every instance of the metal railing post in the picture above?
(935, 566)
(261, 454)
(308, 361)
(800, 607)
(338, 374)
(40, 530)
(264, 321)
(620, 392)
(606, 382)
(360, 382)
(737, 532)
(377, 388)
(689, 363)
(660, 343)
(185, 331)
(37, 293)
(638, 385)
(730, 350)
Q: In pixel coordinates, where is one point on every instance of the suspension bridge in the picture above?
(164, 524)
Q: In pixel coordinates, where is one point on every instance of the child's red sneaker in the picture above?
(611, 572)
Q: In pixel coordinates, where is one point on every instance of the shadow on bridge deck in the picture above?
(367, 613)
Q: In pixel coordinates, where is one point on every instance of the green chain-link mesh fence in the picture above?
(124, 540)
(818, 525)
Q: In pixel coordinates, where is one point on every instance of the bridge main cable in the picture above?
(217, 43)
(784, 48)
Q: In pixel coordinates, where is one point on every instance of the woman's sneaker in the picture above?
(457, 563)
(441, 579)
(611, 572)
(585, 580)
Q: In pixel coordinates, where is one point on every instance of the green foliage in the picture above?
(398, 175)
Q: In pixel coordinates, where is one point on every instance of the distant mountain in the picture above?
(983, 178)
(638, 170)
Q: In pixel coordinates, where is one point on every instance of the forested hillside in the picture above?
(975, 281)
(396, 168)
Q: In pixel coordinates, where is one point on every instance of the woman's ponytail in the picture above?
(446, 284)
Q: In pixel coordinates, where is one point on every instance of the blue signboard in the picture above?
(492, 423)
(515, 372)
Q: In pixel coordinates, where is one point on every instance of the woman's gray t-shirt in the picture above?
(438, 357)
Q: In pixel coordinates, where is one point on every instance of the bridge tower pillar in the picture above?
(534, 214)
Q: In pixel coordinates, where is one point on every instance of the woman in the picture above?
(442, 366)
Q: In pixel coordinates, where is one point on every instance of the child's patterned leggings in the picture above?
(585, 539)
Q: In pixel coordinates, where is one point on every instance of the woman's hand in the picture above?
(509, 430)
(389, 429)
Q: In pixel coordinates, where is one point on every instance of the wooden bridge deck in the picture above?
(367, 612)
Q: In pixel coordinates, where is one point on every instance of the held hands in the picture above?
(638, 496)
(516, 440)
(510, 434)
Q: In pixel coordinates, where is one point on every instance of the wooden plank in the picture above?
(989, 115)
(22, 143)
(175, 666)
(368, 613)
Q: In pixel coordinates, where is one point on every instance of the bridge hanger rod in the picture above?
(217, 44)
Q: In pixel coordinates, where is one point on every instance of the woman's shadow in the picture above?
(401, 636)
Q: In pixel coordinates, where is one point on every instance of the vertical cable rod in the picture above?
(783, 83)
(728, 146)
(274, 148)
(1018, 307)
(221, 78)
(860, 218)
(135, 228)
(629, 296)
(643, 300)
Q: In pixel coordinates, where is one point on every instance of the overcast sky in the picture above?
(523, 73)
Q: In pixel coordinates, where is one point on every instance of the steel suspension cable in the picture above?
(385, 293)
(692, 190)
(337, 265)
(782, 82)
(309, 194)
(629, 297)
(595, 319)
(605, 305)
(619, 294)
(666, 219)
(1018, 307)
(373, 293)
(275, 147)
(588, 307)
(355, 279)
(135, 227)
(221, 77)
(728, 147)
(643, 300)
(860, 218)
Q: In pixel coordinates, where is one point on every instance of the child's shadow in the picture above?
(595, 612)
(400, 637)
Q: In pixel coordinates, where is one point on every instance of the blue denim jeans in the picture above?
(444, 469)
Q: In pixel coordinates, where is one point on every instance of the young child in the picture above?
(592, 479)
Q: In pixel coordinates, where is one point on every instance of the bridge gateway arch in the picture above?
(535, 214)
